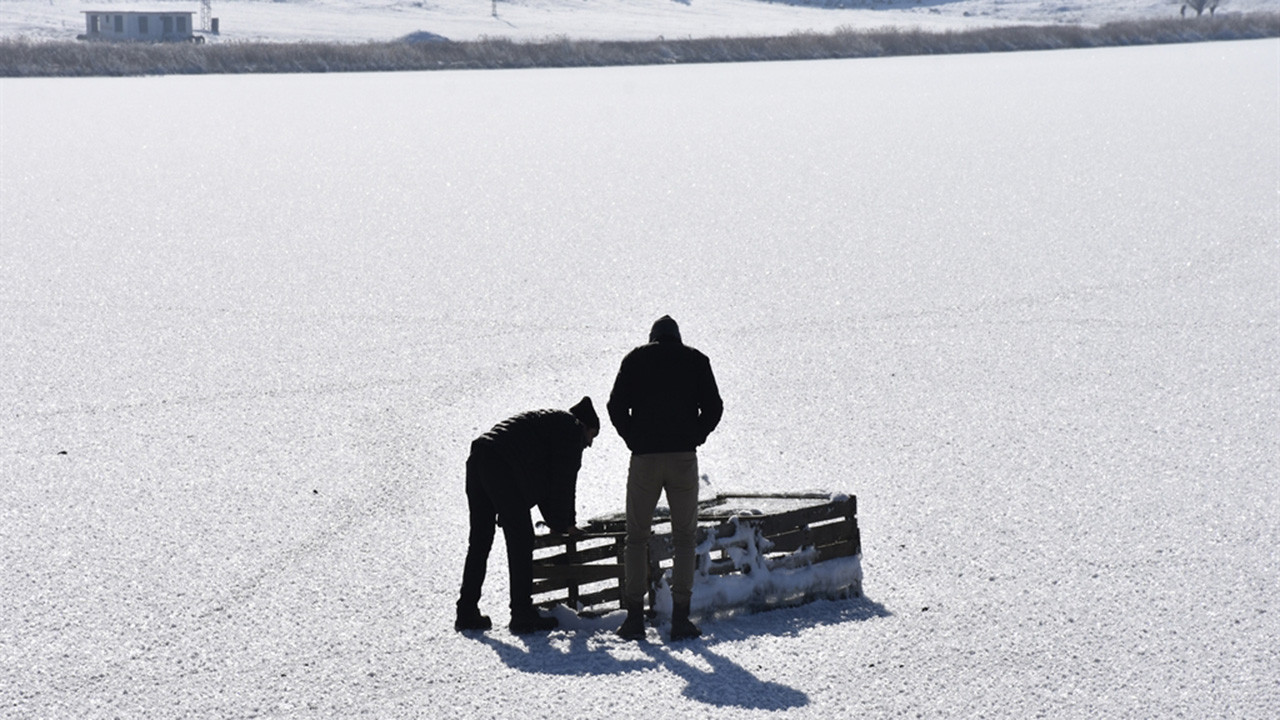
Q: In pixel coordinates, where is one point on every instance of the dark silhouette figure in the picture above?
(530, 459)
(664, 404)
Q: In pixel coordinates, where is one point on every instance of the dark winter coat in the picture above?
(665, 398)
(544, 451)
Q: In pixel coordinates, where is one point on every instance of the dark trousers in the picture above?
(492, 493)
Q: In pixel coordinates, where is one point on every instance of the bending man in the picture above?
(530, 459)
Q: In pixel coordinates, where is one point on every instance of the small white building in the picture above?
(139, 25)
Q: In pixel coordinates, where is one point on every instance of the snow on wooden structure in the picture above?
(139, 25)
(754, 550)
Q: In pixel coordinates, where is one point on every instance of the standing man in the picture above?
(664, 404)
(530, 459)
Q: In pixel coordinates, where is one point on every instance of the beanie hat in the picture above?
(664, 328)
(586, 413)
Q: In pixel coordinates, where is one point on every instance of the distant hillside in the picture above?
(423, 51)
(359, 21)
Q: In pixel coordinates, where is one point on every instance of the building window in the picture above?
(142, 24)
(182, 25)
(119, 23)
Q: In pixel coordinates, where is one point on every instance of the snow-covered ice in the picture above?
(1024, 306)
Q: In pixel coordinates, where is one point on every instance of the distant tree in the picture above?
(1200, 6)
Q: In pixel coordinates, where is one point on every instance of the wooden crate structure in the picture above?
(735, 531)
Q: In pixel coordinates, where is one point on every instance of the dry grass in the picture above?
(22, 58)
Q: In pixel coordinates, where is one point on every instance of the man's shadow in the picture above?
(588, 648)
(726, 684)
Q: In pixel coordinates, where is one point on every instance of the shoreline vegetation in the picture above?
(20, 57)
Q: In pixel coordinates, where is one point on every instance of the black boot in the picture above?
(681, 627)
(469, 618)
(528, 620)
(633, 627)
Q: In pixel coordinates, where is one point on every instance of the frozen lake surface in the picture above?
(1024, 306)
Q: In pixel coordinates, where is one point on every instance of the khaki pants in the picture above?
(648, 476)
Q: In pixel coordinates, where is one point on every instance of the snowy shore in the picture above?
(380, 20)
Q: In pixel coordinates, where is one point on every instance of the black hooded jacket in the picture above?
(665, 397)
(544, 449)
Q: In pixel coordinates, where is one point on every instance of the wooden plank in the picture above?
(790, 541)
(611, 524)
(786, 538)
(546, 586)
(561, 586)
(841, 549)
(553, 540)
(769, 496)
(844, 548)
(806, 539)
(616, 522)
(805, 536)
(842, 534)
(661, 514)
(611, 596)
(581, 556)
(581, 574)
(727, 505)
(777, 524)
(721, 567)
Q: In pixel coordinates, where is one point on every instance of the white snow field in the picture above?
(1025, 306)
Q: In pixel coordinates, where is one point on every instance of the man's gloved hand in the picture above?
(573, 532)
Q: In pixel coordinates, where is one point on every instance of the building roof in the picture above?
(134, 10)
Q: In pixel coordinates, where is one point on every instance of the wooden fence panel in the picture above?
(589, 571)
